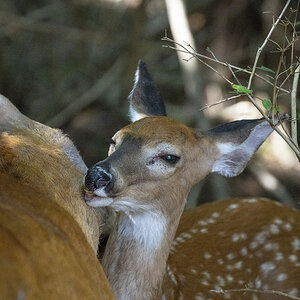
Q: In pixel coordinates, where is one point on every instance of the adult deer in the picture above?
(151, 167)
(48, 235)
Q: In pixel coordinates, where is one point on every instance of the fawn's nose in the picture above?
(97, 177)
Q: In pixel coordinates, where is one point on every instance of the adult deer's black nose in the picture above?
(97, 177)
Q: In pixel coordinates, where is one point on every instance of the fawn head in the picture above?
(158, 156)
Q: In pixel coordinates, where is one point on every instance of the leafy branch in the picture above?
(276, 81)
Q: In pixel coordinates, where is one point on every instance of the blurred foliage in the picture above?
(52, 53)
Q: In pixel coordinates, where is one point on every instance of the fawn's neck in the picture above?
(136, 253)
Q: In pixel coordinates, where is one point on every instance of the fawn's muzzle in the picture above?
(98, 178)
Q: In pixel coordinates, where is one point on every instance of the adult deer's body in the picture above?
(151, 167)
(48, 236)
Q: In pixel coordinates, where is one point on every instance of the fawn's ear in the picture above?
(237, 142)
(145, 99)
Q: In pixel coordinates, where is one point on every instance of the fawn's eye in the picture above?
(112, 142)
(170, 158)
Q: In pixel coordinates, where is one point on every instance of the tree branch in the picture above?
(264, 44)
(214, 59)
(294, 105)
(248, 290)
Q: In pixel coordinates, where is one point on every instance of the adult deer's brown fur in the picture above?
(151, 167)
(48, 236)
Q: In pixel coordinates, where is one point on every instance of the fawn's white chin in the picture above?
(99, 201)
(97, 198)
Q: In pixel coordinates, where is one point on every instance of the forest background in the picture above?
(71, 64)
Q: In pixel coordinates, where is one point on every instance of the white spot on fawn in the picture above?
(205, 282)
(186, 235)
(271, 246)
(206, 274)
(253, 200)
(296, 244)
(282, 277)
(229, 278)
(229, 267)
(232, 206)
(257, 283)
(215, 215)
(230, 256)
(199, 297)
(171, 275)
(239, 236)
(278, 221)
(287, 226)
(202, 223)
(238, 265)
(260, 238)
(274, 229)
(279, 256)
(220, 280)
(293, 258)
(253, 245)
(267, 267)
(244, 251)
(293, 292)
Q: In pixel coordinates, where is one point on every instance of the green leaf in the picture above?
(277, 109)
(267, 104)
(241, 89)
(263, 68)
(298, 23)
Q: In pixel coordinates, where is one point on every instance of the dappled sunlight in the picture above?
(280, 154)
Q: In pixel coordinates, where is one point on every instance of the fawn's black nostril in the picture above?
(103, 180)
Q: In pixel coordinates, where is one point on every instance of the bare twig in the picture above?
(219, 102)
(260, 49)
(285, 80)
(234, 76)
(295, 82)
(246, 290)
(274, 98)
(186, 50)
(214, 59)
(294, 105)
(294, 38)
(215, 70)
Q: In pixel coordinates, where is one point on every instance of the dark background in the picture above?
(70, 64)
